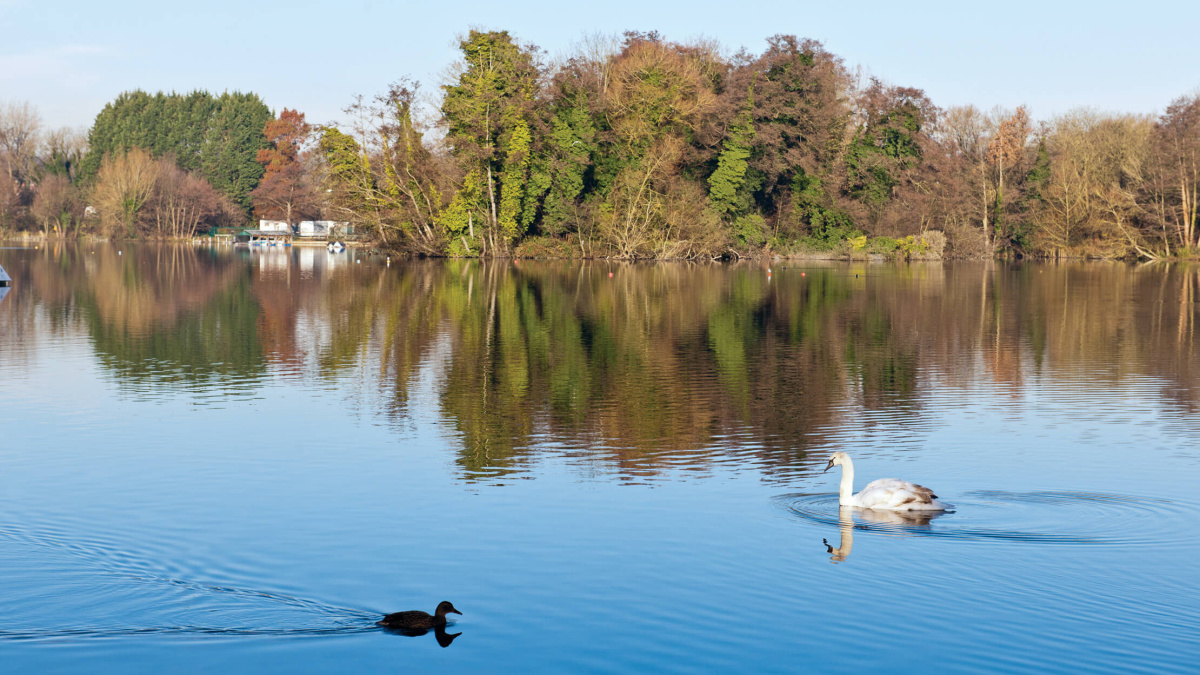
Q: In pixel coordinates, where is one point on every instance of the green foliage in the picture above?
(514, 181)
(571, 142)
(725, 184)
(499, 75)
(882, 246)
(487, 112)
(546, 248)
(344, 159)
(231, 144)
(811, 204)
(883, 148)
(750, 231)
(910, 246)
(1039, 173)
(219, 136)
(463, 219)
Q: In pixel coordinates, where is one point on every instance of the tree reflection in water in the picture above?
(658, 367)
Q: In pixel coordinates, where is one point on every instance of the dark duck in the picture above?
(418, 620)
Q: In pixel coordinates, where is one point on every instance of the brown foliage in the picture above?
(288, 190)
(58, 205)
(656, 88)
(123, 185)
(138, 195)
(289, 194)
(287, 134)
(1174, 175)
(183, 203)
(1090, 200)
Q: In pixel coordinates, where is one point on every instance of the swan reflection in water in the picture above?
(883, 517)
(439, 633)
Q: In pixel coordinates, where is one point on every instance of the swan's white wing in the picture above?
(896, 494)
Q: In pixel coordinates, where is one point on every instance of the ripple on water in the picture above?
(1050, 517)
(103, 582)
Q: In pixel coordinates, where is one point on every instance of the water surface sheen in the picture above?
(238, 460)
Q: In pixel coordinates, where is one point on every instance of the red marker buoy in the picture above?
(802, 274)
(610, 275)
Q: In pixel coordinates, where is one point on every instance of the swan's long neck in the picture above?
(846, 488)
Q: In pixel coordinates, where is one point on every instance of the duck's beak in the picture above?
(456, 612)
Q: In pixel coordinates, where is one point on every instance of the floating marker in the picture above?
(610, 275)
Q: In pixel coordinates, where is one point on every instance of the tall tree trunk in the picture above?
(492, 199)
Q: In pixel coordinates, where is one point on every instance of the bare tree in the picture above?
(182, 203)
(1090, 202)
(57, 205)
(123, 185)
(1175, 172)
(9, 201)
(62, 151)
(19, 126)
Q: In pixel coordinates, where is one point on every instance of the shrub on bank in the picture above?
(546, 247)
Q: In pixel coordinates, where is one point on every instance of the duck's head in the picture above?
(837, 459)
(445, 608)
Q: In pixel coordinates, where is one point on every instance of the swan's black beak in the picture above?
(828, 466)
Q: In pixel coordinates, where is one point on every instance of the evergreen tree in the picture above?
(218, 136)
(231, 144)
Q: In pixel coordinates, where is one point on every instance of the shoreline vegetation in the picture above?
(629, 147)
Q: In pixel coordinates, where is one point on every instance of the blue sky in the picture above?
(70, 58)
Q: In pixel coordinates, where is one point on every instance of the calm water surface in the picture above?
(230, 459)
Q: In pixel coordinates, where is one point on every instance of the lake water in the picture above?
(235, 460)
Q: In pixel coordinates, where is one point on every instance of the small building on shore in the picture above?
(274, 226)
(321, 229)
(265, 237)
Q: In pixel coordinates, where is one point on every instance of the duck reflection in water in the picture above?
(883, 517)
(439, 633)
(414, 623)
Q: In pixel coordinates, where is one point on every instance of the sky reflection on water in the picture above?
(604, 474)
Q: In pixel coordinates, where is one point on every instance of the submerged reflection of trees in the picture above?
(657, 367)
(685, 366)
(155, 313)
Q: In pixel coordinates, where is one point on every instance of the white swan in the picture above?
(889, 494)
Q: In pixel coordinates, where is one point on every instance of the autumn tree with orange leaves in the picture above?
(1007, 148)
(287, 191)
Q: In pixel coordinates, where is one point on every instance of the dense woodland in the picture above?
(630, 147)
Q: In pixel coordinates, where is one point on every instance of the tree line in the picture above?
(639, 147)
(636, 146)
(162, 165)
